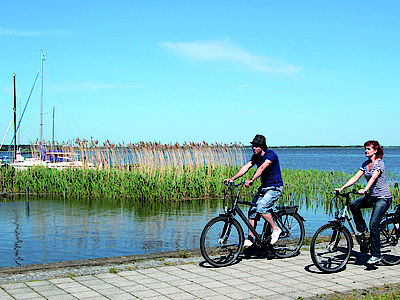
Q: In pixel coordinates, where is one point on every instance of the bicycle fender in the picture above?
(301, 218)
(336, 224)
(288, 209)
(229, 216)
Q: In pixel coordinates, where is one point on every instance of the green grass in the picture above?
(310, 188)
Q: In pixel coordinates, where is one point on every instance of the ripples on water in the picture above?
(55, 230)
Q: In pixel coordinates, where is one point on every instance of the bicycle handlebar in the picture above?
(234, 184)
(352, 192)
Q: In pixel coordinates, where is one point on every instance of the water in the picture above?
(54, 229)
(342, 159)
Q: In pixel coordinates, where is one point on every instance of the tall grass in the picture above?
(159, 172)
(306, 187)
(150, 154)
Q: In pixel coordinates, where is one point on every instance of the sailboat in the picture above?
(57, 159)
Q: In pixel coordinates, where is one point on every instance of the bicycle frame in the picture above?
(236, 210)
(345, 216)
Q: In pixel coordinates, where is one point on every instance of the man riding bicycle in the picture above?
(271, 188)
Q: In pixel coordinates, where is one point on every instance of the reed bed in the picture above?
(149, 154)
(172, 172)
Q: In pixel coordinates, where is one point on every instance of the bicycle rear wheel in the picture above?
(331, 247)
(292, 236)
(221, 241)
(390, 247)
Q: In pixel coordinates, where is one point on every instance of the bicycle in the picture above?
(332, 243)
(222, 239)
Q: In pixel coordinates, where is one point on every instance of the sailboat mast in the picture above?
(54, 110)
(15, 119)
(41, 96)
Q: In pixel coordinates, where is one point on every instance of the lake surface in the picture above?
(57, 229)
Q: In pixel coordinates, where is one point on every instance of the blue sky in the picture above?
(299, 72)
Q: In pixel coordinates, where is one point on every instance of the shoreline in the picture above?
(62, 269)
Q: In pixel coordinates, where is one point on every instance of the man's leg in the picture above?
(253, 223)
(253, 217)
(264, 205)
(267, 217)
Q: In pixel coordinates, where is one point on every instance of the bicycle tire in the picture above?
(221, 241)
(331, 248)
(290, 242)
(389, 238)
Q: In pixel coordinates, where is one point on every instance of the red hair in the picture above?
(375, 145)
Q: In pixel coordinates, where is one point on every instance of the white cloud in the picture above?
(21, 33)
(225, 51)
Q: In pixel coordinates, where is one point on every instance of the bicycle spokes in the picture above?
(330, 248)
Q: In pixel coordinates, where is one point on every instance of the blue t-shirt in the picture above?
(271, 176)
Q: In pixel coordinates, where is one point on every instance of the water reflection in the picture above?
(58, 229)
(18, 241)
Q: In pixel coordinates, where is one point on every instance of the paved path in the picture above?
(257, 278)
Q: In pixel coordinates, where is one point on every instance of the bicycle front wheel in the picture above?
(389, 237)
(292, 236)
(331, 247)
(221, 241)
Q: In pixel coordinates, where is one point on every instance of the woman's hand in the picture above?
(363, 191)
(339, 189)
(227, 181)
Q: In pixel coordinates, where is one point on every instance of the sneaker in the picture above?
(247, 243)
(374, 260)
(275, 236)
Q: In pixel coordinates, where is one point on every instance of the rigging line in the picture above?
(23, 112)
(6, 133)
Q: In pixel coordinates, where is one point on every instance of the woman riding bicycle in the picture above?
(271, 185)
(378, 196)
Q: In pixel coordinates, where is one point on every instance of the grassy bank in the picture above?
(165, 183)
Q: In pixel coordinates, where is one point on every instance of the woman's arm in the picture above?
(351, 181)
(371, 181)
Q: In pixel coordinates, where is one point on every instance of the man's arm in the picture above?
(243, 170)
(258, 173)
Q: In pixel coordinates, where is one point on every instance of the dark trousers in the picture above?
(379, 207)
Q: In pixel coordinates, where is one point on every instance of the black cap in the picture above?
(259, 140)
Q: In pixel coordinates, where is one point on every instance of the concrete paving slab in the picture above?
(289, 278)
(61, 297)
(86, 294)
